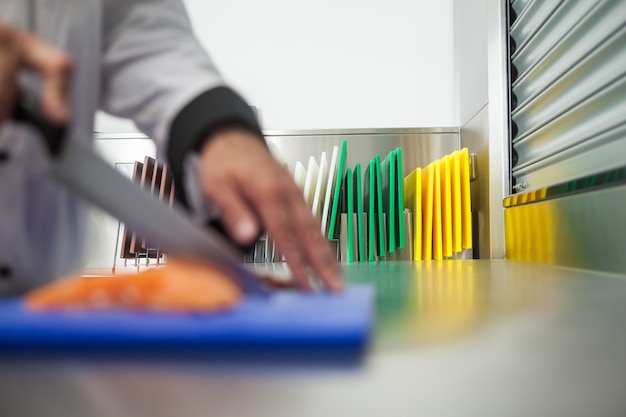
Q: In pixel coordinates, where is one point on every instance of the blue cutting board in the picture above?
(286, 327)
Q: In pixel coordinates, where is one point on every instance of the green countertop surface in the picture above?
(453, 338)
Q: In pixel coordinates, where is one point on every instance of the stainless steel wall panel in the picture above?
(604, 20)
(419, 147)
(596, 71)
(586, 231)
(601, 112)
(486, 190)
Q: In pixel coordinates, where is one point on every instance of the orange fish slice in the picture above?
(180, 286)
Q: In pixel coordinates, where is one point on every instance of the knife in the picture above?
(77, 167)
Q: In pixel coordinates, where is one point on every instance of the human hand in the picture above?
(252, 191)
(21, 50)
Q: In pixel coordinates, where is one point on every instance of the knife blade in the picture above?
(77, 167)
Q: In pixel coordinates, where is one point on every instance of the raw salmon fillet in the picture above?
(180, 286)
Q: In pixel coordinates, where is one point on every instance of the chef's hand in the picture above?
(253, 192)
(21, 50)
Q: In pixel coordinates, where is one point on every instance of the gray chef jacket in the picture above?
(136, 59)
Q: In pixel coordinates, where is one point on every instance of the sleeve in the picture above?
(156, 73)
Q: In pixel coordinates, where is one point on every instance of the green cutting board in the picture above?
(388, 177)
(379, 207)
(333, 231)
(359, 212)
(400, 199)
(349, 215)
(369, 200)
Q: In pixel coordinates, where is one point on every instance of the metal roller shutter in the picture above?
(567, 83)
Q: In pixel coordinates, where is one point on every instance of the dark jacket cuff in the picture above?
(194, 124)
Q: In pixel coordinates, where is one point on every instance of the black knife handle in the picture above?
(27, 111)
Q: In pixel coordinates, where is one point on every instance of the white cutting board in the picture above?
(312, 171)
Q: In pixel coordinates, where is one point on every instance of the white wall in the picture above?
(333, 64)
(470, 35)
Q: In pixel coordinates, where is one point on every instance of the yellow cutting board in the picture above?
(437, 227)
(446, 206)
(413, 201)
(428, 179)
(466, 200)
(457, 225)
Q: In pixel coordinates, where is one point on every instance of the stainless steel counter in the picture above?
(455, 338)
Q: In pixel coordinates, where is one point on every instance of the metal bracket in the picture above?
(473, 158)
(520, 187)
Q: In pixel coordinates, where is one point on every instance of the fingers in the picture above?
(275, 213)
(8, 72)
(297, 233)
(317, 247)
(55, 67)
(239, 175)
(236, 215)
(240, 222)
(22, 50)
